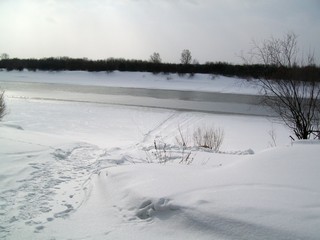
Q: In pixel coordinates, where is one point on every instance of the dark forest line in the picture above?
(255, 71)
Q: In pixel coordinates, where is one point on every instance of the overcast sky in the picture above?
(213, 30)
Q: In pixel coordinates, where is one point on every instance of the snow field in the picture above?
(71, 170)
(200, 82)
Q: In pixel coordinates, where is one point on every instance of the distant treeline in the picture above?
(111, 64)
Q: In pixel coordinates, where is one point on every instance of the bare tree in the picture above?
(276, 51)
(4, 56)
(195, 62)
(295, 97)
(2, 105)
(155, 58)
(186, 57)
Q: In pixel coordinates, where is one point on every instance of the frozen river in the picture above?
(218, 102)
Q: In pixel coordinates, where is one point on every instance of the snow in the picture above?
(199, 82)
(74, 170)
(201, 92)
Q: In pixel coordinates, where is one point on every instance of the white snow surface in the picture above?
(71, 170)
(198, 82)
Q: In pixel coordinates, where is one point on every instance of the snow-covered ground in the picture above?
(198, 82)
(74, 170)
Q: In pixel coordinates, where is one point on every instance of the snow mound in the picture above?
(272, 195)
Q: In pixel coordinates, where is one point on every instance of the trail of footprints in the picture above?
(53, 190)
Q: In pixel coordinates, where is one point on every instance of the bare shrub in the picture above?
(293, 96)
(186, 157)
(2, 105)
(297, 103)
(211, 138)
(160, 151)
(273, 135)
(183, 142)
(182, 139)
(163, 153)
